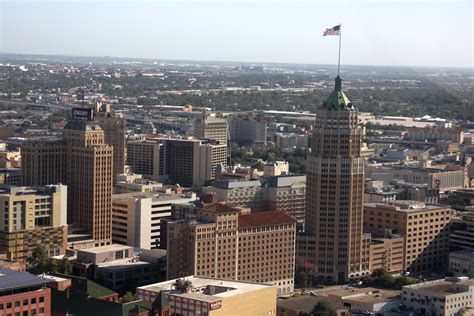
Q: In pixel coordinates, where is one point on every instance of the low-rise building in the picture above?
(194, 295)
(439, 297)
(22, 293)
(461, 263)
(126, 183)
(120, 267)
(277, 168)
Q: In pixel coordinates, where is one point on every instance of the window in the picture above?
(119, 254)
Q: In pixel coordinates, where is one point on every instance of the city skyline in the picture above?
(245, 32)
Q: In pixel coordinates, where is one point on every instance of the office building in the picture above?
(147, 158)
(291, 141)
(433, 134)
(114, 135)
(22, 293)
(448, 296)
(208, 126)
(33, 216)
(43, 162)
(191, 162)
(424, 228)
(335, 193)
(184, 161)
(89, 166)
(224, 242)
(136, 217)
(280, 193)
(83, 161)
(461, 236)
(247, 129)
(197, 295)
(11, 176)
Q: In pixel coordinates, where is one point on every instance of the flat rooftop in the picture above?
(155, 196)
(234, 287)
(405, 206)
(122, 264)
(443, 287)
(107, 248)
(366, 294)
(304, 303)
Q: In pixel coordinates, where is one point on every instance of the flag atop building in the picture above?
(335, 30)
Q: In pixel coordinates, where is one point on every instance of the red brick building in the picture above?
(22, 293)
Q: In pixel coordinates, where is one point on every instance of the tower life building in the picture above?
(83, 161)
(336, 249)
(89, 166)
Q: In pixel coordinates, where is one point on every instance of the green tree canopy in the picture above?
(324, 309)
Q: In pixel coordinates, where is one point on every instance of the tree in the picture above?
(127, 297)
(65, 266)
(324, 309)
(38, 257)
(301, 279)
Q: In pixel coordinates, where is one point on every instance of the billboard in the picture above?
(83, 114)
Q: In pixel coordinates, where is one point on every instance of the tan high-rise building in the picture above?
(43, 162)
(211, 127)
(225, 243)
(114, 134)
(84, 162)
(32, 216)
(89, 168)
(335, 192)
(424, 228)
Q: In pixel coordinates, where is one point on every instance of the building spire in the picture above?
(338, 85)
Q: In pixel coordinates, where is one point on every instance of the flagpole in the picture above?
(339, 59)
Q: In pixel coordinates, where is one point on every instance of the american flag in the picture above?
(336, 30)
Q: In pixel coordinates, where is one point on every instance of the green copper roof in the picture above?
(338, 100)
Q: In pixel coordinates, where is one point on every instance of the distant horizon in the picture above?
(408, 33)
(257, 63)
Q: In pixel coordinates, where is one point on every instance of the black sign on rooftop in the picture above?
(83, 114)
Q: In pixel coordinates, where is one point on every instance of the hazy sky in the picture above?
(424, 33)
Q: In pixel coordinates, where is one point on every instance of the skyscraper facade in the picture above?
(114, 135)
(83, 161)
(335, 191)
(89, 168)
(211, 127)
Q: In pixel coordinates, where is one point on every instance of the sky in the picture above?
(393, 33)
